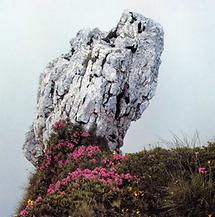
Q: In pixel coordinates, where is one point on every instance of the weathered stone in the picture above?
(106, 80)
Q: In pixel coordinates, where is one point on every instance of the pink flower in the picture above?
(56, 158)
(104, 160)
(76, 134)
(118, 181)
(51, 146)
(89, 176)
(75, 174)
(75, 141)
(60, 164)
(59, 145)
(51, 189)
(109, 181)
(23, 212)
(85, 134)
(78, 152)
(58, 124)
(202, 170)
(65, 180)
(110, 163)
(66, 162)
(38, 200)
(57, 185)
(87, 171)
(117, 156)
(128, 177)
(70, 145)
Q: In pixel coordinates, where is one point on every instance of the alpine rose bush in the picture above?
(71, 162)
(78, 176)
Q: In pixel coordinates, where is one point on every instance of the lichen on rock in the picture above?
(104, 82)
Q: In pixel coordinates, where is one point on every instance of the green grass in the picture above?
(176, 182)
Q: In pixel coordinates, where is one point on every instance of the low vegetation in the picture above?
(78, 176)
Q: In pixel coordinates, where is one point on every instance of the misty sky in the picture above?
(33, 32)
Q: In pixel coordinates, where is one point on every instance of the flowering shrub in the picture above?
(67, 163)
(78, 176)
(58, 125)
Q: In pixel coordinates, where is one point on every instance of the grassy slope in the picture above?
(159, 182)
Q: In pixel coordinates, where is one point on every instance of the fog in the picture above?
(33, 32)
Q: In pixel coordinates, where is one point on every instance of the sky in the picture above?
(33, 32)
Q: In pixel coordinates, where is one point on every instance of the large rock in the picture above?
(105, 81)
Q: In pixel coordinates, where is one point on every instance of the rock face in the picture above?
(105, 81)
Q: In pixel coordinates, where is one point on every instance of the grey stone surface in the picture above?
(106, 80)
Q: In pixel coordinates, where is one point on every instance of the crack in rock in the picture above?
(106, 80)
